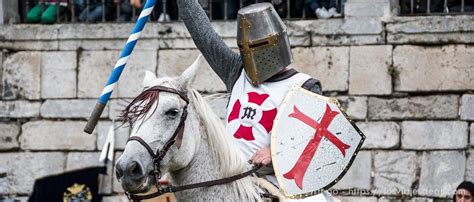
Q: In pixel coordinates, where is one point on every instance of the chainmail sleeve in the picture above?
(226, 63)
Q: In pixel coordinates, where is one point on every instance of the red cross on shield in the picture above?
(299, 169)
(313, 143)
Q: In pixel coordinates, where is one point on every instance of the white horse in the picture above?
(205, 152)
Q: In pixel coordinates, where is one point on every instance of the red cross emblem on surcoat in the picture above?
(252, 113)
(299, 169)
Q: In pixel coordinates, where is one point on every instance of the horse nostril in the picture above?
(118, 171)
(135, 170)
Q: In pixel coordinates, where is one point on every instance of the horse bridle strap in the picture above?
(160, 154)
(173, 189)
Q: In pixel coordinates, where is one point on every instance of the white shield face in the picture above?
(313, 143)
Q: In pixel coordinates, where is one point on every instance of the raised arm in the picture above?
(220, 57)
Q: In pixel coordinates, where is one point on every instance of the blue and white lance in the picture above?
(119, 66)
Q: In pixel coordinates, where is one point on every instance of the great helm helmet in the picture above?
(263, 42)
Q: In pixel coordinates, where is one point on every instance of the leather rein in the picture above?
(160, 154)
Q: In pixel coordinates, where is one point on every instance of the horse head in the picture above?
(159, 117)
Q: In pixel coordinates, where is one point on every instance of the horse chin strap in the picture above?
(160, 154)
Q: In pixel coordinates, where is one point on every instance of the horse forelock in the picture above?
(142, 104)
(139, 106)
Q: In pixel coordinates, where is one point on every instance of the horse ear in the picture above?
(149, 78)
(188, 75)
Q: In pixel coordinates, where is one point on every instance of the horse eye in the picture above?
(172, 112)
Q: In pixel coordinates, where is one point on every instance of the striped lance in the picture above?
(119, 66)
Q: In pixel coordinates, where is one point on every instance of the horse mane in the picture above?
(228, 154)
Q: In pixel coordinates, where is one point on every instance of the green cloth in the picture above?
(47, 17)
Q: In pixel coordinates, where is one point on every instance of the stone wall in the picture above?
(407, 81)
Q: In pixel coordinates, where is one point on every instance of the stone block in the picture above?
(23, 168)
(359, 174)
(430, 38)
(21, 75)
(470, 165)
(31, 45)
(9, 136)
(130, 85)
(328, 64)
(419, 107)
(69, 108)
(58, 74)
(81, 160)
(338, 27)
(31, 32)
(122, 31)
(395, 172)
(347, 40)
(434, 68)
(369, 70)
(431, 24)
(172, 30)
(90, 31)
(298, 33)
(184, 43)
(355, 106)
(19, 109)
(172, 63)
(380, 135)
(441, 173)
(106, 44)
(218, 103)
(122, 132)
(94, 70)
(188, 43)
(55, 135)
(367, 9)
(423, 135)
(467, 107)
(362, 26)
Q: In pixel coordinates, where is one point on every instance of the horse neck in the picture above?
(215, 158)
(213, 147)
(204, 166)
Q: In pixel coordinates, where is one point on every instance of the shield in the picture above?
(313, 143)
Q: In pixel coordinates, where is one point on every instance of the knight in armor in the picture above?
(258, 78)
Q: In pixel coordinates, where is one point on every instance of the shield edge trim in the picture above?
(293, 89)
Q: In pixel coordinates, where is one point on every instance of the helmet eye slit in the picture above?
(256, 45)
